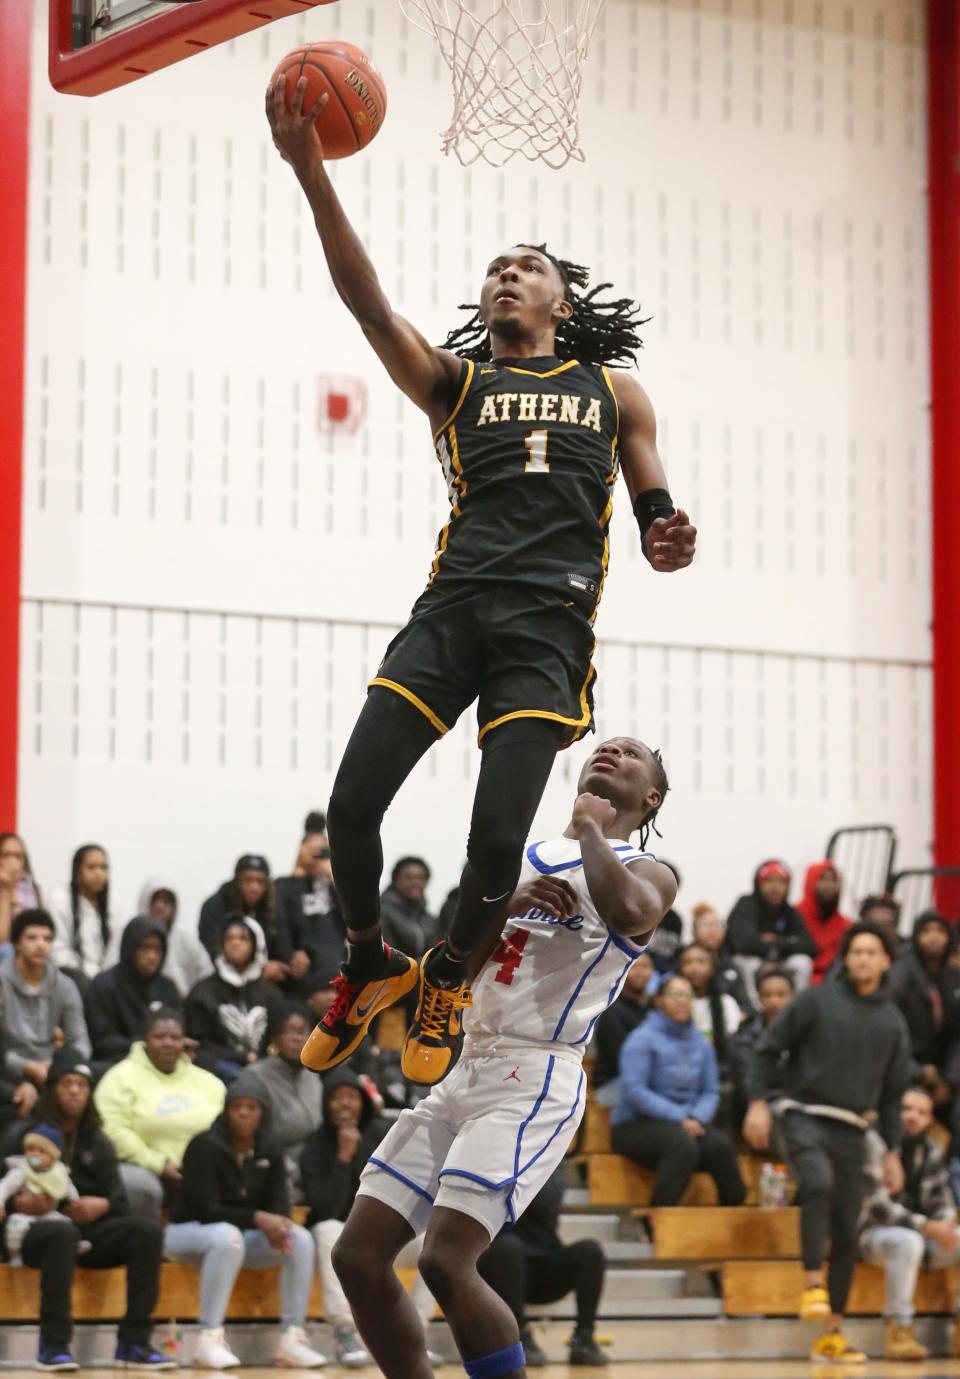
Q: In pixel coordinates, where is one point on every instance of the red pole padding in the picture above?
(943, 77)
(15, 22)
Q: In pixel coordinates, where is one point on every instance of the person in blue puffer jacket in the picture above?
(669, 1094)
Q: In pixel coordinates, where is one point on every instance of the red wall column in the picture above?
(15, 24)
(943, 62)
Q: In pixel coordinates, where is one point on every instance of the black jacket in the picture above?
(216, 908)
(751, 916)
(117, 1002)
(843, 1049)
(729, 978)
(228, 1022)
(666, 942)
(303, 925)
(612, 1029)
(88, 1155)
(407, 924)
(328, 1185)
(216, 1187)
(741, 1049)
(930, 1003)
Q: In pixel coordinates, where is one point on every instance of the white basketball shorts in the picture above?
(483, 1142)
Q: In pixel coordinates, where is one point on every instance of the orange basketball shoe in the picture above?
(344, 1027)
(431, 1041)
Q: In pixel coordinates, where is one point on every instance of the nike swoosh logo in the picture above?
(492, 899)
(361, 1012)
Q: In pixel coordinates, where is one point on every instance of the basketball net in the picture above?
(516, 67)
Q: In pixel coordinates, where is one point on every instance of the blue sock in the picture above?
(499, 1363)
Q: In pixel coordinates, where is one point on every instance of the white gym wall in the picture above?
(208, 582)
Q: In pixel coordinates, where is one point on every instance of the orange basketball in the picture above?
(358, 98)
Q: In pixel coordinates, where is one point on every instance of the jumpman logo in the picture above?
(514, 1076)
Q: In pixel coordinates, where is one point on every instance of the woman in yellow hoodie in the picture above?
(152, 1104)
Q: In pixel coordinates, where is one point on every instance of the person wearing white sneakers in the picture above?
(232, 1211)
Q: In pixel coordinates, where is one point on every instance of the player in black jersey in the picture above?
(531, 429)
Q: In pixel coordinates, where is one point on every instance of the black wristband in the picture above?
(651, 504)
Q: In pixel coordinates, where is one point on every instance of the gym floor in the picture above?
(660, 1369)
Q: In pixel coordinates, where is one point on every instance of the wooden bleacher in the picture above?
(770, 1288)
(614, 1181)
(100, 1294)
(756, 1251)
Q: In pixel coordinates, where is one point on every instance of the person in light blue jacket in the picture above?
(669, 1094)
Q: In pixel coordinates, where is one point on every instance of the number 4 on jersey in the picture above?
(508, 954)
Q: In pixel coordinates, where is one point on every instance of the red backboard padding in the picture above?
(134, 52)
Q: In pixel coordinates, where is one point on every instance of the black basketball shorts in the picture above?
(520, 652)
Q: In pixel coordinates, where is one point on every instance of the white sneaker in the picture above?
(294, 1353)
(349, 1349)
(212, 1352)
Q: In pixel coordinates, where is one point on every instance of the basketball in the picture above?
(358, 98)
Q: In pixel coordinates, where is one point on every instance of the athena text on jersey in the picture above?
(530, 457)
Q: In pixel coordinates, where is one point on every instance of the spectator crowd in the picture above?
(153, 1104)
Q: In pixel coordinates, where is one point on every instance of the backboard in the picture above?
(97, 45)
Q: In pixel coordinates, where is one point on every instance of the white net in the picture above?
(516, 67)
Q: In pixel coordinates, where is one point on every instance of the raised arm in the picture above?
(669, 539)
(631, 900)
(427, 375)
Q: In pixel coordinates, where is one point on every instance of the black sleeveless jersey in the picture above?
(530, 457)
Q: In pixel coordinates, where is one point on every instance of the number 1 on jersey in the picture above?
(536, 444)
(508, 955)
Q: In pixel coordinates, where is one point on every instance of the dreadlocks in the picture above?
(596, 332)
(649, 820)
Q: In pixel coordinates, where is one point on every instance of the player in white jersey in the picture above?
(476, 1151)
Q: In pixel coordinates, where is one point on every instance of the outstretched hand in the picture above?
(294, 130)
(671, 542)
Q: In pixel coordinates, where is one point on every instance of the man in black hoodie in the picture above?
(118, 1001)
(764, 927)
(848, 1061)
(925, 984)
(330, 1167)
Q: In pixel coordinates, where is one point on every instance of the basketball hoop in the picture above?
(516, 67)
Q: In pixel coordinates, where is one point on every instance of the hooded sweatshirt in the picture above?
(187, 961)
(229, 1013)
(152, 1116)
(221, 1185)
(825, 924)
(294, 1096)
(31, 1015)
(118, 1001)
(329, 1185)
(407, 924)
(929, 1000)
(751, 916)
(821, 1023)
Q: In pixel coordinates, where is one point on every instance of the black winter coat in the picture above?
(117, 1002)
(328, 1185)
(930, 1004)
(217, 1188)
(228, 1021)
(614, 1025)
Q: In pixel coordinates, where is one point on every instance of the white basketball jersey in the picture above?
(551, 979)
